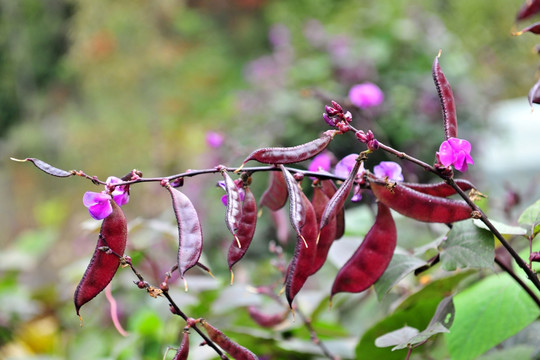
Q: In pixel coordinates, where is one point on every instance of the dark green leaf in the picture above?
(467, 246)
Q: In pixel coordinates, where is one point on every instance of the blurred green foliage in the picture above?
(108, 86)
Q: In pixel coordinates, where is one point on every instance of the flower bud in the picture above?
(330, 110)
(360, 135)
(373, 144)
(347, 116)
(336, 106)
(331, 122)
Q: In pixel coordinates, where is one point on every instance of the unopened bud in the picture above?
(360, 135)
(330, 110)
(298, 176)
(347, 116)
(331, 122)
(373, 144)
(336, 106)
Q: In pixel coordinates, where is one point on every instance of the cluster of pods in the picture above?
(317, 222)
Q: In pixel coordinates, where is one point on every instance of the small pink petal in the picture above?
(345, 165)
(389, 169)
(446, 154)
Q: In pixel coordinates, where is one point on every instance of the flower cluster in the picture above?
(99, 204)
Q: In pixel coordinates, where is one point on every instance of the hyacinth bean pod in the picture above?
(417, 205)
(275, 196)
(47, 168)
(297, 210)
(372, 257)
(534, 94)
(246, 229)
(330, 189)
(234, 206)
(289, 155)
(534, 29)
(235, 350)
(304, 254)
(190, 240)
(103, 265)
(338, 200)
(528, 9)
(266, 320)
(183, 351)
(328, 233)
(441, 189)
(446, 96)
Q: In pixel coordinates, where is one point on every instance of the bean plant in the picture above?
(317, 198)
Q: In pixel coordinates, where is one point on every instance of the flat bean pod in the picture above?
(441, 189)
(190, 239)
(103, 265)
(304, 254)
(446, 96)
(528, 9)
(330, 189)
(289, 155)
(234, 206)
(297, 210)
(183, 351)
(328, 233)
(267, 320)
(372, 257)
(338, 200)
(246, 229)
(237, 351)
(275, 196)
(47, 168)
(417, 205)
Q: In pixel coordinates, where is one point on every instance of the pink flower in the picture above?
(214, 139)
(321, 162)
(345, 165)
(366, 95)
(120, 194)
(98, 204)
(388, 169)
(455, 152)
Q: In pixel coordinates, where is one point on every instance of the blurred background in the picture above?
(109, 86)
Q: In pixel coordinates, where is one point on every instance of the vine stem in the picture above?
(177, 310)
(314, 337)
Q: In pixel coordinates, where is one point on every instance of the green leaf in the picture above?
(417, 315)
(486, 314)
(400, 266)
(531, 215)
(407, 336)
(396, 337)
(467, 246)
(504, 229)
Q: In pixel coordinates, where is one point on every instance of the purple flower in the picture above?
(120, 194)
(321, 162)
(98, 204)
(366, 95)
(214, 139)
(388, 169)
(455, 152)
(345, 165)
